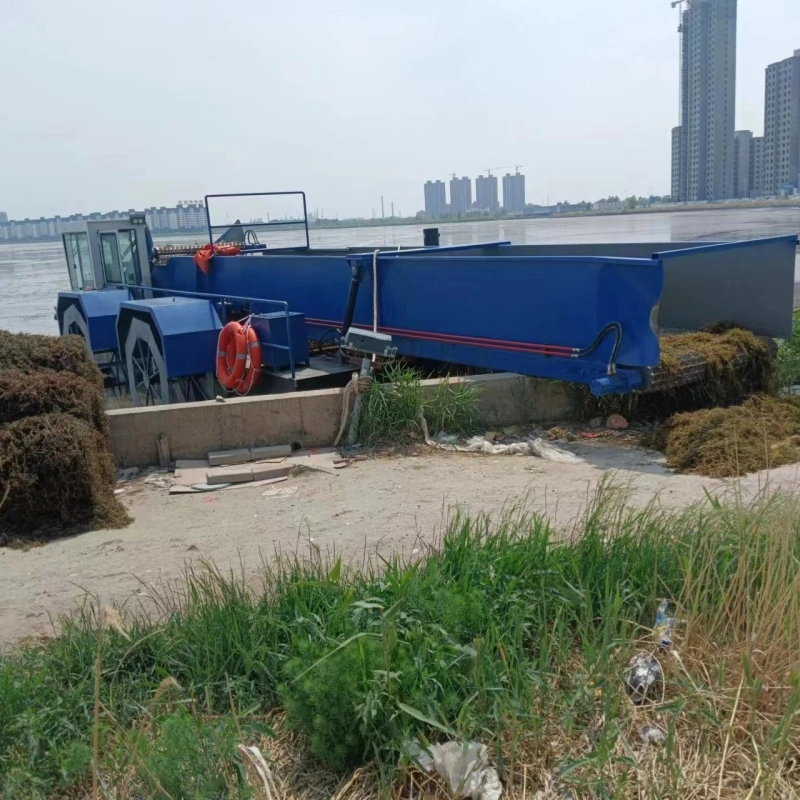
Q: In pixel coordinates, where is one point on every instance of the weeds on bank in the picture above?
(502, 633)
(788, 364)
(391, 407)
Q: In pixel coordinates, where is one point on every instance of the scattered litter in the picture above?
(282, 491)
(119, 491)
(588, 435)
(479, 444)
(550, 452)
(446, 438)
(158, 480)
(616, 422)
(490, 436)
(465, 767)
(561, 433)
(644, 678)
(650, 734)
(512, 431)
(665, 625)
(219, 398)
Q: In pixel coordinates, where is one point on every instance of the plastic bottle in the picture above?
(665, 624)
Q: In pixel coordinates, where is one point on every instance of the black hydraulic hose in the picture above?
(351, 304)
(612, 362)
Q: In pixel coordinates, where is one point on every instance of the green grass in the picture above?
(789, 356)
(391, 407)
(502, 633)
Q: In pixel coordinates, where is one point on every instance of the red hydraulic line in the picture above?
(556, 350)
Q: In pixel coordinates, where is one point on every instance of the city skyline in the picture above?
(703, 141)
(487, 199)
(186, 216)
(711, 160)
(595, 120)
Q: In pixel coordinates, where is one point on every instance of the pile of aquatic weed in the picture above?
(503, 633)
(56, 470)
(30, 394)
(58, 478)
(31, 352)
(738, 364)
(762, 433)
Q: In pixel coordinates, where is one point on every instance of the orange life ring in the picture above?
(238, 357)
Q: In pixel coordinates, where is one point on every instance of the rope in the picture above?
(358, 385)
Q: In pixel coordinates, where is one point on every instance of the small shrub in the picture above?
(346, 704)
(453, 408)
(190, 758)
(391, 408)
(788, 367)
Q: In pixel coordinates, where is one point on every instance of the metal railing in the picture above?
(282, 304)
(260, 225)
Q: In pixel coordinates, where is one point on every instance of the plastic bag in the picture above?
(465, 767)
(549, 451)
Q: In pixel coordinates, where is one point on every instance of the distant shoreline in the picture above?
(754, 205)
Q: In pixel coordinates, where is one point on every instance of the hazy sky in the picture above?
(107, 104)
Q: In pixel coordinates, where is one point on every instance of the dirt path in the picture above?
(380, 504)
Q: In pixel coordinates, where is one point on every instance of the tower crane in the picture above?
(517, 167)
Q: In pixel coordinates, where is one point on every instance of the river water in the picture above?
(33, 274)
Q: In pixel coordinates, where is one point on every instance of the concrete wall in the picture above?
(309, 418)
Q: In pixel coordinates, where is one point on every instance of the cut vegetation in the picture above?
(56, 469)
(762, 433)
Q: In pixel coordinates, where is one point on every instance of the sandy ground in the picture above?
(379, 505)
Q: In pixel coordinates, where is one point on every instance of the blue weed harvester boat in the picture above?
(588, 314)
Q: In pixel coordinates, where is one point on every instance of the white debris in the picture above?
(282, 491)
(159, 480)
(550, 452)
(650, 734)
(465, 767)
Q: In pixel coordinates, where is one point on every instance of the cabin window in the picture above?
(127, 256)
(79, 260)
(110, 257)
